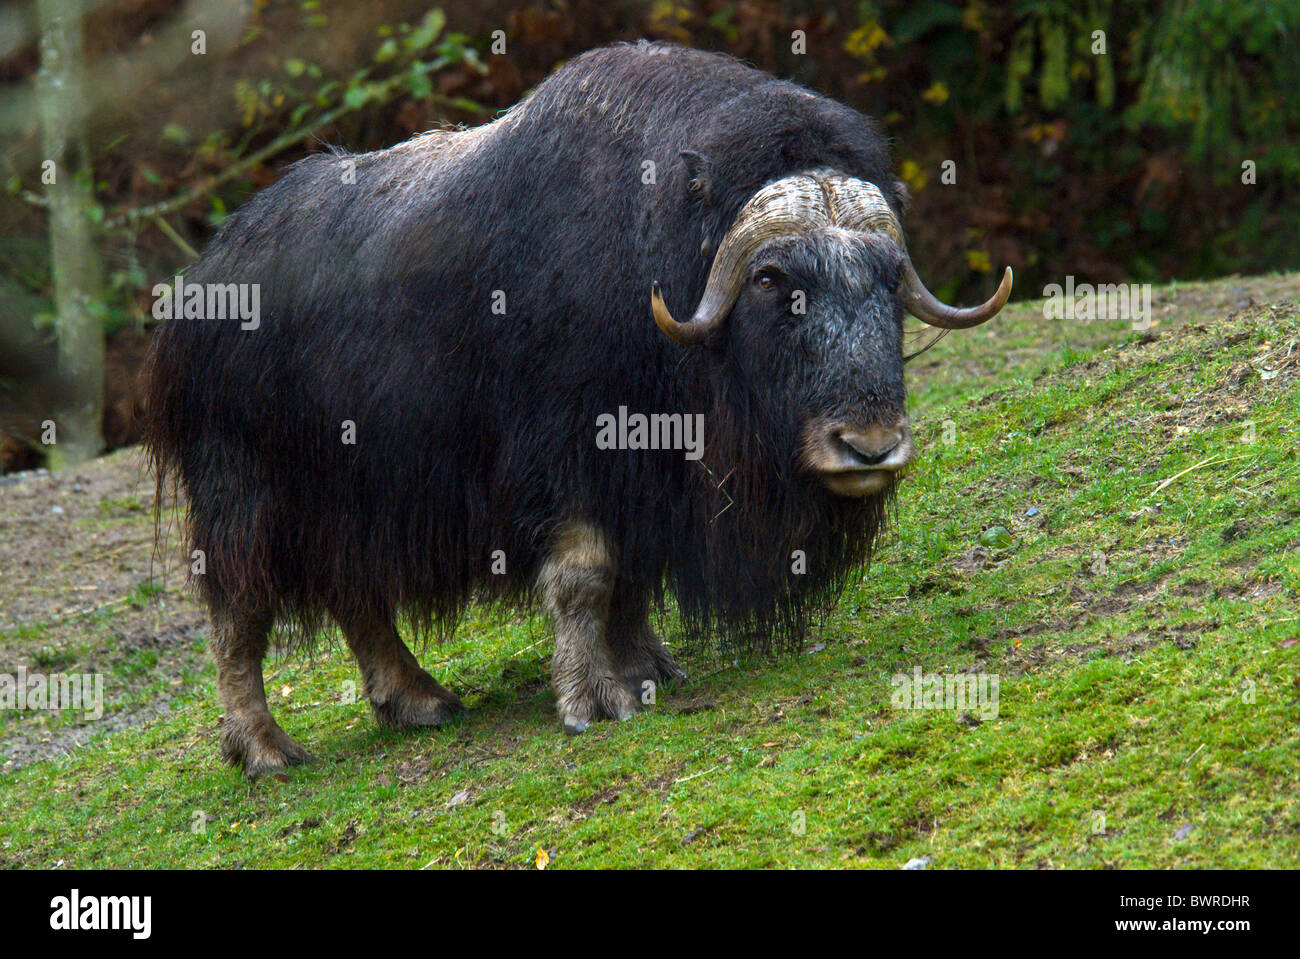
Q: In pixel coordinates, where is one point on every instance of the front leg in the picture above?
(577, 581)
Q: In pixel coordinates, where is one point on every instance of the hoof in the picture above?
(259, 747)
(420, 702)
(604, 700)
(575, 727)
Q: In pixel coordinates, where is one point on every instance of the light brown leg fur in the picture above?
(577, 582)
(402, 694)
(250, 737)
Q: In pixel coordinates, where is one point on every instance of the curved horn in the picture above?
(925, 306)
(859, 205)
(790, 205)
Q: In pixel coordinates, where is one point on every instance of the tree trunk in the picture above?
(74, 262)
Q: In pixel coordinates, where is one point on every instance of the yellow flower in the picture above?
(874, 75)
(937, 94)
(864, 41)
(913, 175)
(542, 859)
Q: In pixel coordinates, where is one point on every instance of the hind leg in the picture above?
(638, 654)
(402, 694)
(577, 581)
(250, 736)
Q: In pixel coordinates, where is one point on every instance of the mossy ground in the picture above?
(1141, 620)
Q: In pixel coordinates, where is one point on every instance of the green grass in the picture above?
(1141, 628)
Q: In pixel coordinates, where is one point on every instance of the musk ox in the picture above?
(411, 422)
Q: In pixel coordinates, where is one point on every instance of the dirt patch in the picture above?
(972, 561)
(1023, 658)
(1187, 406)
(82, 593)
(585, 807)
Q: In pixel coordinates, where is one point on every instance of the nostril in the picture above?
(870, 449)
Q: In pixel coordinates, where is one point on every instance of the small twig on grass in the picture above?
(1205, 462)
(516, 655)
(695, 775)
(94, 609)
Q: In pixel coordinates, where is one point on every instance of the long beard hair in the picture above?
(753, 521)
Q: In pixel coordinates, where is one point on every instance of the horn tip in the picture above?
(1004, 288)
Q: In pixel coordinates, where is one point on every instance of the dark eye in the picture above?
(766, 279)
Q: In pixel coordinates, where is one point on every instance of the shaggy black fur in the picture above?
(476, 431)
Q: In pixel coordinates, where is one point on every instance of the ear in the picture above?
(701, 187)
(699, 180)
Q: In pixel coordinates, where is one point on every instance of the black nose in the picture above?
(871, 446)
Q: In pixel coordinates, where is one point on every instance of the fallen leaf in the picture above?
(996, 537)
